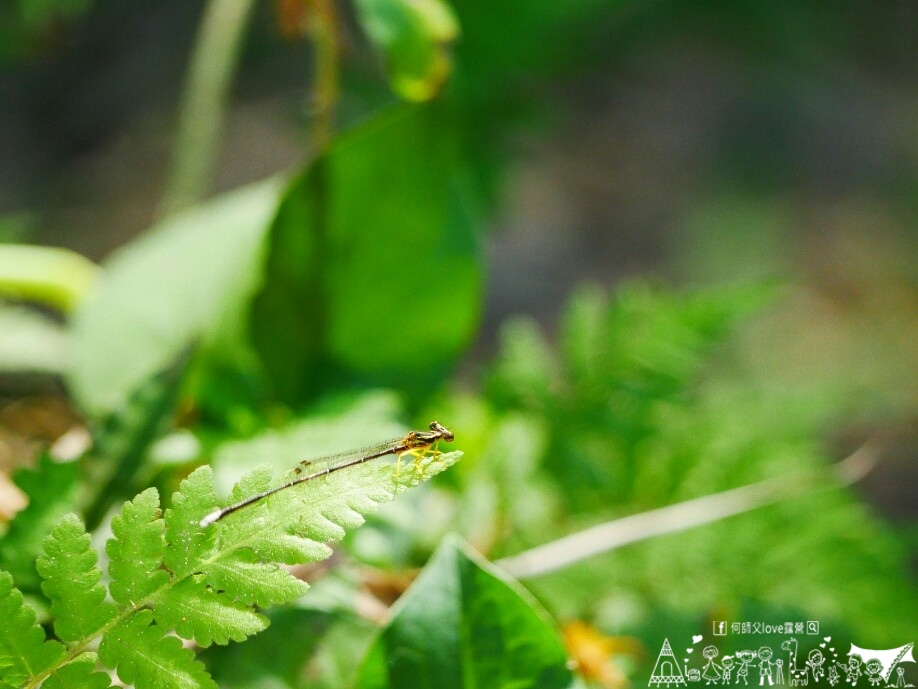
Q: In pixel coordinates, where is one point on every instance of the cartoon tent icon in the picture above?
(889, 657)
(667, 670)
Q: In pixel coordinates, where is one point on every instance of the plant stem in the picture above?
(602, 538)
(201, 111)
(323, 27)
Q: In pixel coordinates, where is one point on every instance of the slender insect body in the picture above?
(416, 443)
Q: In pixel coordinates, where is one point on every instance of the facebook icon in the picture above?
(720, 628)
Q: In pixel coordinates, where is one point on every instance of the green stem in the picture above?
(323, 28)
(201, 111)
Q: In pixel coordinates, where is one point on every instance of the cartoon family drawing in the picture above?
(712, 671)
(814, 662)
(880, 668)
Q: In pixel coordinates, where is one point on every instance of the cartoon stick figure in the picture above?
(853, 668)
(900, 679)
(744, 658)
(814, 662)
(712, 671)
(872, 669)
(779, 672)
(765, 666)
(727, 664)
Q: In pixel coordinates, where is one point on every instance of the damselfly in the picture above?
(416, 443)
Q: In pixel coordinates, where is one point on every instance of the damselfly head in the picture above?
(442, 431)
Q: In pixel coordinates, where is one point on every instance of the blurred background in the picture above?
(699, 144)
(621, 163)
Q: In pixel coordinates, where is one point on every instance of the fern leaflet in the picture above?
(170, 575)
(72, 581)
(79, 674)
(24, 652)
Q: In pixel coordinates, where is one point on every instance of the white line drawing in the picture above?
(800, 678)
(791, 647)
(726, 663)
(666, 670)
(881, 668)
(815, 662)
(852, 669)
(889, 657)
(900, 678)
(765, 666)
(711, 671)
(872, 671)
(744, 658)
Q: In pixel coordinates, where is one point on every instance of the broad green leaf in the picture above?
(51, 490)
(373, 271)
(122, 441)
(136, 550)
(282, 655)
(183, 281)
(415, 36)
(24, 652)
(57, 277)
(464, 624)
(31, 342)
(72, 580)
(79, 674)
(145, 657)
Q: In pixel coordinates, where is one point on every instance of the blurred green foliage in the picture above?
(23, 23)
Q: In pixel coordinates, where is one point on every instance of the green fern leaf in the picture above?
(169, 574)
(284, 545)
(144, 656)
(188, 545)
(79, 674)
(250, 581)
(72, 581)
(197, 612)
(136, 551)
(51, 487)
(321, 510)
(24, 652)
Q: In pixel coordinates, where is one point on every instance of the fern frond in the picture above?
(320, 511)
(284, 544)
(24, 651)
(188, 545)
(198, 612)
(144, 656)
(169, 575)
(253, 582)
(79, 674)
(136, 551)
(72, 581)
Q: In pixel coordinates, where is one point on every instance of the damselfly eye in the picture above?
(444, 432)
